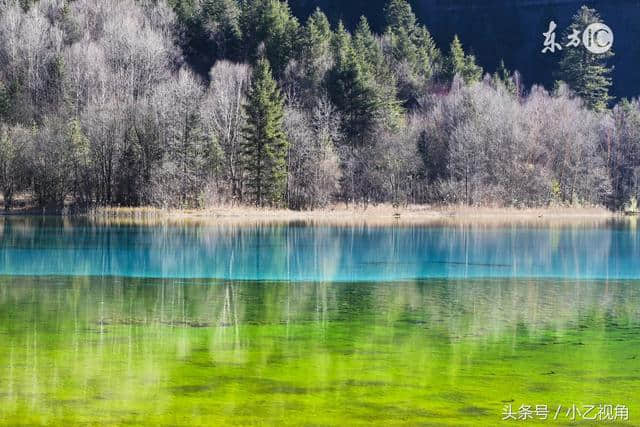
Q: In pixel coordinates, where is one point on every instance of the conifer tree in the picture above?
(55, 92)
(458, 63)
(352, 89)
(368, 49)
(270, 30)
(317, 34)
(399, 16)
(341, 43)
(585, 72)
(316, 51)
(370, 56)
(185, 9)
(265, 147)
(428, 56)
(504, 77)
(222, 20)
(411, 48)
(361, 84)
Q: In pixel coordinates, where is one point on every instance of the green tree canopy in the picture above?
(411, 49)
(586, 73)
(368, 50)
(352, 88)
(317, 34)
(270, 30)
(502, 76)
(265, 147)
(458, 63)
(399, 16)
(221, 19)
(316, 49)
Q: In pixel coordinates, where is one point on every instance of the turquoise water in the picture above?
(355, 325)
(296, 252)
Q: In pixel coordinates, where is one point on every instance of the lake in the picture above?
(311, 324)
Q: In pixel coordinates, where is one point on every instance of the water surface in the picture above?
(298, 252)
(99, 342)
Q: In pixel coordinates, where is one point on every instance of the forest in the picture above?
(200, 103)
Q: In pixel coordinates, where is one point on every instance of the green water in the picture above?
(133, 351)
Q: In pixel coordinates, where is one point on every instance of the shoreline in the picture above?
(372, 215)
(381, 215)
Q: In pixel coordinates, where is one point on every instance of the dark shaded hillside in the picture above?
(508, 29)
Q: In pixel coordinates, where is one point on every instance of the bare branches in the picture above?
(490, 147)
(97, 97)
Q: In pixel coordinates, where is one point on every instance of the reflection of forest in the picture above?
(482, 309)
(99, 340)
(296, 251)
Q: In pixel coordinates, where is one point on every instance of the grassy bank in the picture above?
(373, 215)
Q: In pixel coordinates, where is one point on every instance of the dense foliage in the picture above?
(106, 103)
(586, 72)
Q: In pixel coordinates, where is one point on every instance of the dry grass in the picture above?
(372, 215)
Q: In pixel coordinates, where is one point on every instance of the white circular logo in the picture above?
(598, 38)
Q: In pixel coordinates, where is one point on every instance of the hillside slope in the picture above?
(506, 29)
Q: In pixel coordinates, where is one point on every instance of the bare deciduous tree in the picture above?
(314, 170)
(223, 119)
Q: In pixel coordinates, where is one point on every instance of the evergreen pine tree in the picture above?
(399, 15)
(316, 52)
(587, 73)
(368, 49)
(270, 30)
(411, 49)
(185, 9)
(429, 58)
(503, 77)
(369, 54)
(456, 59)
(317, 34)
(56, 90)
(413, 39)
(458, 63)
(352, 89)
(221, 18)
(341, 43)
(265, 147)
